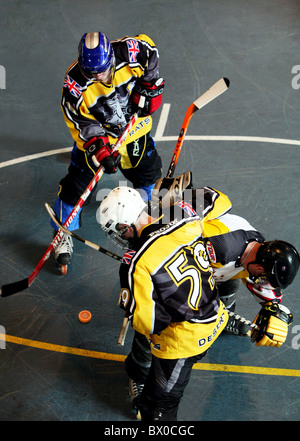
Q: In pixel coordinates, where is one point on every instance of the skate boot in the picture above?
(63, 252)
(135, 390)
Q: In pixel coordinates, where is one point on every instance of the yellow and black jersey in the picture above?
(92, 108)
(169, 288)
(207, 202)
(226, 239)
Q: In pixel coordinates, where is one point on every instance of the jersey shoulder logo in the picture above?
(128, 256)
(74, 88)
(133, 50)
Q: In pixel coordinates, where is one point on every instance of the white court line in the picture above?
(162, 121)
(232, 138)
(159, 136)
(34, 156)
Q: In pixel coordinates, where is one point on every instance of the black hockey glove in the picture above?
(151, 91)
(99, 149)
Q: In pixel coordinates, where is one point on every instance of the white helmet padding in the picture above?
(123, 205)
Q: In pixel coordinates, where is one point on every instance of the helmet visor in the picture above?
(105, 72)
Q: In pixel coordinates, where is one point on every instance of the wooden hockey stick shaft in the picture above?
(242, 320)
(15, 287)
(123, 332)
(80, 239)
(213, 92)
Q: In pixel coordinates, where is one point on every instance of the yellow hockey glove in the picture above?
(272, 325)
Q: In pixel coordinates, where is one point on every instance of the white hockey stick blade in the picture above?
(213, 92)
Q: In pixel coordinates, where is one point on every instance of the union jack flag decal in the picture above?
(187, 208)
(73, 87)
(133, 50)
(128, 256)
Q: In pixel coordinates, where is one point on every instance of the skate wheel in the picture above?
(85, 316)
(64, 269)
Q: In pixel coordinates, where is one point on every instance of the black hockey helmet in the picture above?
(280, 261)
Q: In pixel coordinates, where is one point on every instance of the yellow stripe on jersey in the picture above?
(140, 128)
(213, 228)
(143, 38)
(221, 205)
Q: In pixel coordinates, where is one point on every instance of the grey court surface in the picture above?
(246, 143)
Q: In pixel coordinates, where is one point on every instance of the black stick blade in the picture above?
(13, 288)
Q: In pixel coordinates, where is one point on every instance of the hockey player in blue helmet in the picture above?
(100, 93)
(96, 57)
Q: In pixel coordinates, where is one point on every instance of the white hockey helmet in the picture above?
(123, 205)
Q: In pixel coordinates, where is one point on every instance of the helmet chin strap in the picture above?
(135, 235)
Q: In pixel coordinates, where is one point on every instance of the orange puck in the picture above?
(84, 316)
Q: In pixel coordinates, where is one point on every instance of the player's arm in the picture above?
(88, 133)
(149, 316)
(272, 325)
(263, 292)
(81, 123)
(150, 85)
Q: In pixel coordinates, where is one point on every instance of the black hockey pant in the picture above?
(164, 380)
(164, 387)
(138, 361)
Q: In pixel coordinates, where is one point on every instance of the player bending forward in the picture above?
(236, 251)
(169, 290)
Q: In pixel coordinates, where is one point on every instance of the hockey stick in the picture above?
(126, 323)
(243, 321)
(53, 216)
(108, 253)
(123, 331)
(217, 89)
(15, 287)
(80, 239)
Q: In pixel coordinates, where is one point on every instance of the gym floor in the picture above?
(245, 143)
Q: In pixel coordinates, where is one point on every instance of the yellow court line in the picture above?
(64, 349)
(257, 370)
(117, 357)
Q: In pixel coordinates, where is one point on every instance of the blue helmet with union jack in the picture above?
(95, 54)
